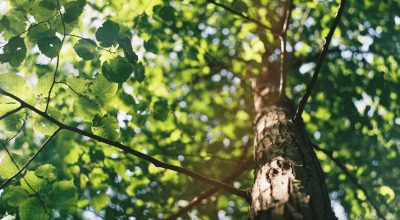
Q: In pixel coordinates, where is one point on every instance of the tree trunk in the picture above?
(289, 182)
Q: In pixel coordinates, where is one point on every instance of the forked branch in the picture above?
(321, 58)
(126, 149)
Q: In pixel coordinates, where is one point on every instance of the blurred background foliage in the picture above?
(189, 102)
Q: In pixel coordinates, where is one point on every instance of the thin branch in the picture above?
(16, 165)
(9, 180)
(321, 57)
(237, 171)
(282, 38)
(352, 178)
(273, 31)
(70, 87)
(10, 113)
(58, 57)
(129, 150)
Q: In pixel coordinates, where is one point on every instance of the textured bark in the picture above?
(289, 182)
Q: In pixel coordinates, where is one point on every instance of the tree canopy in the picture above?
(117, 109)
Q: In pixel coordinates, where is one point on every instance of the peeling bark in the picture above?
(289, 182)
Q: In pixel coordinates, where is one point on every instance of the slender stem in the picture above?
(58, 57)
(10, 113)
(273, 31)
(321, 57)
(286, 21)
(129, 150)
(352, 178)
(9, 180)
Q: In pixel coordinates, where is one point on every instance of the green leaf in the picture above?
(41, 13)
(16, 85)
(14, 22)
(49, 4)
(47, 171)
(86, 49)
(7, 166)
(40, 31)
(85, 109)
(63, 193)
(167, 13)
(14, 195)
(42, 88)
(126, 45)
(117, 70)
(387, 191)
(50, 46)
(79, 84)
(107, 34)
(138, 71)
(106, 127)
(102, 89)
(73, 10)
(31, 209)
(100, 201)
(44, 126)
(160, 109)
(14, 52)
(35, 182)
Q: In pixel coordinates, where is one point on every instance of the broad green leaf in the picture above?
(41, 13)
(42, 88)
(14, 22)
(117, 70)
(14, 195)
(85, 109)
(35, 182)
(50, 46)
(73, 10)
(49, 4)
(47, 171)
(63, 194)
(7, 166)
(31, 209)
(138, 71)
(79, 84)
(106, 127)
(126, 45)
(17, 86)
(40, 31)
(86, 49)
(102, 89)
(167, 13)
(100, 201)
(14, 52)
(44, 126)
(107, 34)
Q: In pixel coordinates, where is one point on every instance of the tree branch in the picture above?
(29, 161)
(282, 38)
(126, 149)
(58, 57)
(237, 171)
(351, 177)
(10, 113)
(273, 31)
(321, 57)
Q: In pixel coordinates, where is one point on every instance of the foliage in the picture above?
(170, 79)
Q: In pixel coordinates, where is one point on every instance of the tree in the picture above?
(162, 109)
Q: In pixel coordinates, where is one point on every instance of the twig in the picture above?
(282, 38)
(92, 42)
(273, 31)
(10, 113)
(129, 150)
(58, 57)
(321, 57)
(352, 178)
(29, 161)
